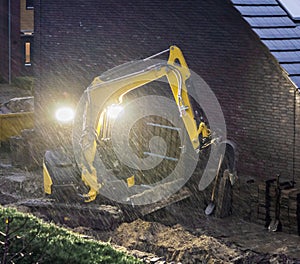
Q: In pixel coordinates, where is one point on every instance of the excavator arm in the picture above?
(110, 90)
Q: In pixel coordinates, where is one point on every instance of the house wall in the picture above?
(9, 57)
(3, 44)
(12, 60)
(77, 40)
(296, 148)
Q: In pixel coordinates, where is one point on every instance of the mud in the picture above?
(174, 243)
(178, 245)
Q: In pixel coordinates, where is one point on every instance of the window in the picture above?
(27, 54)
(26, 17)
(292, 7)
(29, 4)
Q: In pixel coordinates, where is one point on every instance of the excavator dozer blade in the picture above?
(179, 196)
(132, 212)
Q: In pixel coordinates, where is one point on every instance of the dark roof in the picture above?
(277, 30)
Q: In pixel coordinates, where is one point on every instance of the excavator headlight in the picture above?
(114, 110)
(64, 114)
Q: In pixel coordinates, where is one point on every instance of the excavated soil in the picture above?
(178, 245)
(174, 243)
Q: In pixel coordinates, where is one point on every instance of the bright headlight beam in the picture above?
(65, 114)
(114, 110)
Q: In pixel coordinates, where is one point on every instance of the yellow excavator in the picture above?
(90, 169)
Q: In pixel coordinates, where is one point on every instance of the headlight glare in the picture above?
(64, 114)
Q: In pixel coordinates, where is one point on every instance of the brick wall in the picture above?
(16, 67)
(297, 136)
(16, 48)
(78, 40)
(3, 44)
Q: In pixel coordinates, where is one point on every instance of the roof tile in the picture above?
(291, 68)
(261, 11)
(296, 80)
(287, 56)
(278, 33)
(270, 22)
(282, 44)
(254, 2)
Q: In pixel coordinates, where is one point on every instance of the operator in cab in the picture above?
(204, 134)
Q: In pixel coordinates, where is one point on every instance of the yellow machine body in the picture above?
(13, 123)
(47, 180)
(104, 92)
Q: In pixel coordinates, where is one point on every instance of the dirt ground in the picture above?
(180, 233)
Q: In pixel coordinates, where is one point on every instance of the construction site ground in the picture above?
(179, 233)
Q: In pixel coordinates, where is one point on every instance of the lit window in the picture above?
(27, 54)
(29, 4)
(292, 7)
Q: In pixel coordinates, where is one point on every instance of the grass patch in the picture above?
(27, 239)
